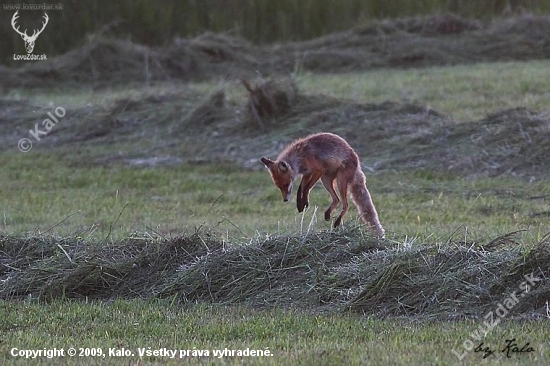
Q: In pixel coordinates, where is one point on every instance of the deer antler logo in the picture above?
(29, 41)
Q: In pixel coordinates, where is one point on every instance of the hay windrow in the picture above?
(213, 109)
(409, 42)
(268, 101)
(430, 25)
(321, 271)
(514, 142)
(388, 136)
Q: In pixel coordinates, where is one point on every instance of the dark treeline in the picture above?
(261, 21)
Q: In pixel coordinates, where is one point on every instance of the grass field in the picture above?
(59, 191)
(292, 337)
(465, 93)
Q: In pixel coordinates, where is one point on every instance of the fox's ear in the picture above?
(268, 163)
(283, 166)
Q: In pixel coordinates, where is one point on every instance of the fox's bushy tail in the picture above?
(362, 199)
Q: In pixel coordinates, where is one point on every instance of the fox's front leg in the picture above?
(308, 181)
(301, 196)
(299, 205)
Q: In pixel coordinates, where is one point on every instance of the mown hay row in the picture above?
(403, 43)
(514, 142)
(388, 136)
(324, 271)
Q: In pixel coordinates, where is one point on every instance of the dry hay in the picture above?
(219, 49)
(99, 59)
(457, 283)
(530, 26)
(322, 271)
(429, 25)
(212, 110)
(403, 137)
(421, 42)
(48, 267)
(104, 60)
(513, 142)
(10, 107)
(269, 99)
(438, 24)
(404, 43)
(388, 136)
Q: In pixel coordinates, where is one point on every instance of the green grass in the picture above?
(48, 191)
(293, 337)
(464, 92)
(44, 194)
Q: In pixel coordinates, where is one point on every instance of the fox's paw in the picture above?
(337, 222)
(327, 215)
(299, 201)
(300, 206)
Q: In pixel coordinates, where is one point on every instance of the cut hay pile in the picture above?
(512, 142)
(404, 43)
(104, 60)
(213, 109)
(420, 42)
(269, 99)
(188, 126)
(322, 271)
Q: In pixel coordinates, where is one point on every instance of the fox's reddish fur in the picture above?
(331, 159)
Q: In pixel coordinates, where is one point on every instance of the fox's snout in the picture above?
(287, 193)
(286, 196)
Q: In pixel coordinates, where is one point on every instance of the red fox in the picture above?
(328, 157)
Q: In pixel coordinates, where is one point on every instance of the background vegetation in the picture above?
(155, 23)
(145, 219)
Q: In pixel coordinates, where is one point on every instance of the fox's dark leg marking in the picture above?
(299, 200)
(302, 196)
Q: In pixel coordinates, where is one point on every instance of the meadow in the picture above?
(73, 206)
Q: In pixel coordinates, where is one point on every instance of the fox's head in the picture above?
(281, 173)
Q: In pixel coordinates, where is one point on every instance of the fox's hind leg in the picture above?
(342, 183)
